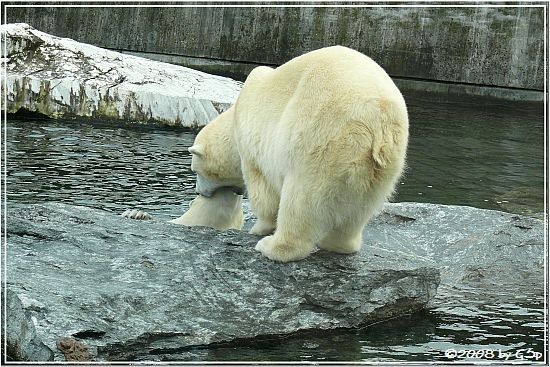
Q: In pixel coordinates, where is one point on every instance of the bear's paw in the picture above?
(136, 214)
(282, 251)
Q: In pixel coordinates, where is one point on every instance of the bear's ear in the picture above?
(197, 150)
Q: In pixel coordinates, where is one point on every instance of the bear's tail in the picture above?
(388, 125)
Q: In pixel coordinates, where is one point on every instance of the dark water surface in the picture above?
(465, 153)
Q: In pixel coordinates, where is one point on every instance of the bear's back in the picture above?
(334, 76)
(323, 108)
(334, 64)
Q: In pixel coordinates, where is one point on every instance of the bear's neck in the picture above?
(229, 147)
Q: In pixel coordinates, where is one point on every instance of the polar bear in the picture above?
(319, 143)
(222, 210)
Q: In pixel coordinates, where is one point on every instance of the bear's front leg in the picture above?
(264, 200)
(263, 227)
(298, 225)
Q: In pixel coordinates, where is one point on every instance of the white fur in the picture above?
(319, 141)
(221, 211)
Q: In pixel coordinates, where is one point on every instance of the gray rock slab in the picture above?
(486, 255)
(120, 289)
(62, 78)
(489, 255)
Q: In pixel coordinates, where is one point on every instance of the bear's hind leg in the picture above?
(347, 236)
(263, 227)
(264, 201)
(297, 225)
(345, 239)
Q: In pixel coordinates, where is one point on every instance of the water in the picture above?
(487, 156)
(100, 166)
(482, 155)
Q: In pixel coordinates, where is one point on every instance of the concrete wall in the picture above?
(488, 46)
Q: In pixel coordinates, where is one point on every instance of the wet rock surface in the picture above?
(486, 255)
(62, 78)
(85, 284)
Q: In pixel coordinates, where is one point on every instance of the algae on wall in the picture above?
(489, 45)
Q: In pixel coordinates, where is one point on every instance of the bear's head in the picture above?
(215, 158)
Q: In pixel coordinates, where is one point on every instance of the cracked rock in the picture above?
(62, 78)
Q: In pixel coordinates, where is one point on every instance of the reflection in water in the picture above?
(482, 156)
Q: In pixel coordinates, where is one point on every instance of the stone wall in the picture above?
(486, 46)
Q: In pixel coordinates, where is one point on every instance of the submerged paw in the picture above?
(136, 214)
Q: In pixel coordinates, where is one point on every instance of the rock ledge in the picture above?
(62, 78)
(84, 284)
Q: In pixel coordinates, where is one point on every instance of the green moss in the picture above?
(318, 30)
(43, 101)
(19, 97)
(288, 40)
(345, 19)
(134, 112)
(107, 106)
